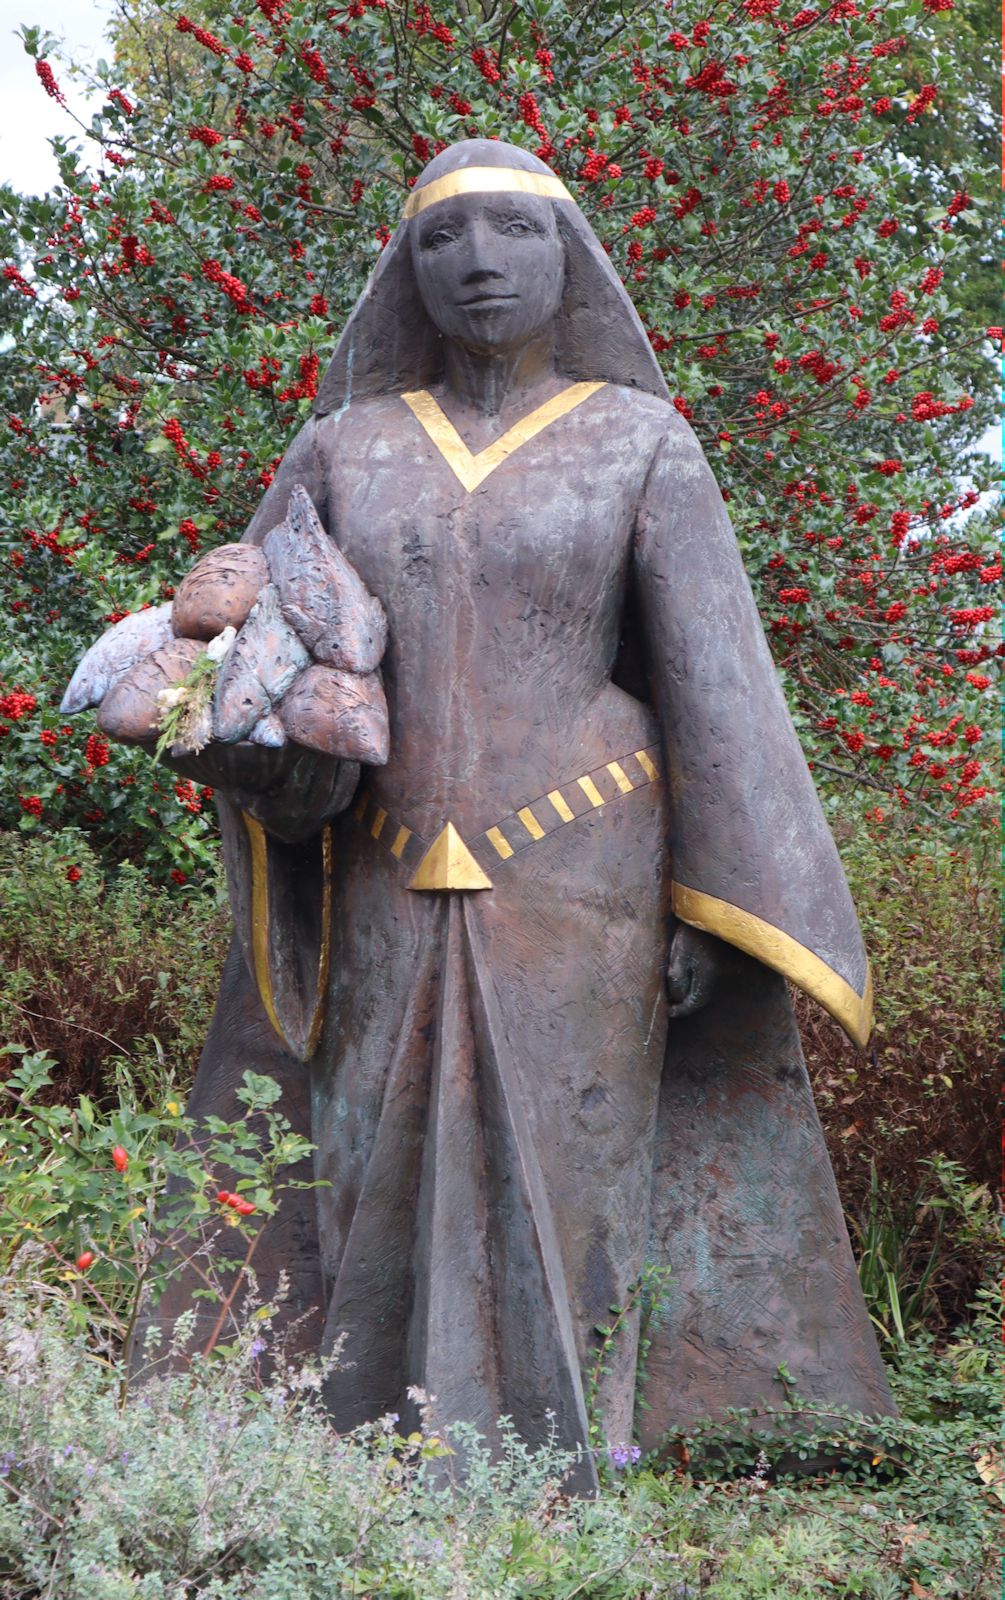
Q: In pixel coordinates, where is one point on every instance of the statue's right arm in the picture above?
(310, 787)
(290, 790)
(301, 463)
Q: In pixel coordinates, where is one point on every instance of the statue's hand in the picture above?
(696, 960)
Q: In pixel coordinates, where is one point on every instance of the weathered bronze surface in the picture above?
(532, 968)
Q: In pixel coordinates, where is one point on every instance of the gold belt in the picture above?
(451, 862)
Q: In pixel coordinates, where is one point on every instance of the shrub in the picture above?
(220, 1485)
(226, 1481)
(118, 1203)
(101, 966)
(928, 1085)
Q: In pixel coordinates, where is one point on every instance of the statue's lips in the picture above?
(487, 300)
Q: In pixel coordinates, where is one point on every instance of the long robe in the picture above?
(506, 1130)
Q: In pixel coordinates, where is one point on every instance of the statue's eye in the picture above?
(517, 225)
(437, 239)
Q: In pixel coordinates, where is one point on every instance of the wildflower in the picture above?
(623, 1455)
(219, 647)
(173, 696)
(120, 1160)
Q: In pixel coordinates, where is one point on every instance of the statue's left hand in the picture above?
(696, 960)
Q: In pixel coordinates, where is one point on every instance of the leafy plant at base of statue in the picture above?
(917, 1496)
(222, 1481)
(901, 1262)
(633, 1321)
(109, 1206)
(743, 168)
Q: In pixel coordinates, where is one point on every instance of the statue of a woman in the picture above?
(533, 967)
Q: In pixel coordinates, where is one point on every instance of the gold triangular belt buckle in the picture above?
(449, 864)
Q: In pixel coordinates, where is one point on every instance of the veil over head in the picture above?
(389, 343)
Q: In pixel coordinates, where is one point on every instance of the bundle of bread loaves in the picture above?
(297, 635)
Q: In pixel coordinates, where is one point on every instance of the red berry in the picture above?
(85, 1260)
(120, 1159)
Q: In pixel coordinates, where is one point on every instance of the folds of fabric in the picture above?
(280, 898)
(452, 1278)
(764, 1297)
(754, 861)
(484, 1134)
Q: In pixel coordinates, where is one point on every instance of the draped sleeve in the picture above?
(754, 862)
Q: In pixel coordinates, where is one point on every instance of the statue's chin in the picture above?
(490, 336)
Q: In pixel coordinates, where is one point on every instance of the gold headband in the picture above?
(485, 180)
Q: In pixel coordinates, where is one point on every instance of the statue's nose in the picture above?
(482, 256)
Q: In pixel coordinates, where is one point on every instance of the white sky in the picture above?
(28, 118)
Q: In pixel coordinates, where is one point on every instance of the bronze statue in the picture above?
(530, 970)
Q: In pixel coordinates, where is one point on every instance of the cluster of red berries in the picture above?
(243, 1207)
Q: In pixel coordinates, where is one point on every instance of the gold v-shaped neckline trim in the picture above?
(473, 469)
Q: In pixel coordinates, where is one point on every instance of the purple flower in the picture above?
(256, 1347)
(624, 1455)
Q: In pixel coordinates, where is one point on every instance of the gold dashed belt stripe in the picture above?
(450, 862)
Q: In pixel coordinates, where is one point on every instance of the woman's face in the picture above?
(490, 268)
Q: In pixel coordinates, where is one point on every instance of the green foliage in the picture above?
(222, 1484)
(905, 1253)
(928, 1086)
(100, 966)
(115, 1202)
(791, 201)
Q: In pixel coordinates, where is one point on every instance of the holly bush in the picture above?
(756, 170)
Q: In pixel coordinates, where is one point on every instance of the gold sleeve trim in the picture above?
(258, 841)
(260, 917)
(783, 954)
(485, 180)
